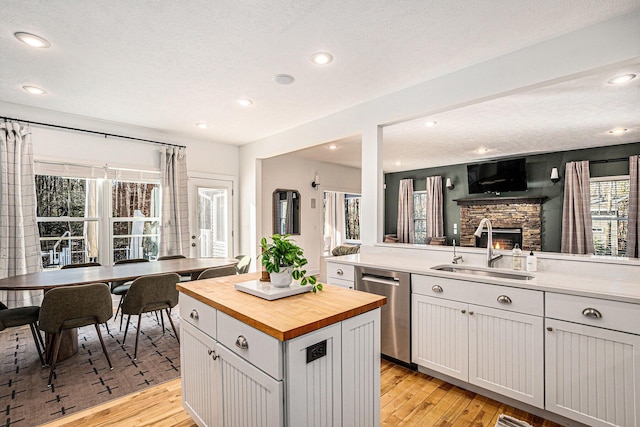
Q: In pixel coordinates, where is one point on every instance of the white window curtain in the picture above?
(435, 221)
(19, 238)
(577, 232)
(633, 233)
(90, 231)
(405, 211)
(334, 218)
(174, 232)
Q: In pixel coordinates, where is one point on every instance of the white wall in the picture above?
(294, 173)
(602, 46)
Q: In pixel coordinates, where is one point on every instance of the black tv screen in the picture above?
(499, 176)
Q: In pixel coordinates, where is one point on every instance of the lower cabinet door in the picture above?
(200, 376)
(250, 397)
(440, 335)
(506, 353)
(592, 374)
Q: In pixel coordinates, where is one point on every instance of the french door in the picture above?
(212, 218)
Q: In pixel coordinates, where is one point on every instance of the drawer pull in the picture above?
(436, 288)
(194, 314)
(592, 312)
(242, 342)
(503, 299)
(339, 271)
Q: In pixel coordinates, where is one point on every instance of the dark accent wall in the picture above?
(538, 173)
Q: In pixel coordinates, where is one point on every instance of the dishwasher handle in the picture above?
(391, 281)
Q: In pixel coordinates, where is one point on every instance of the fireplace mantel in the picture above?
(478, 201)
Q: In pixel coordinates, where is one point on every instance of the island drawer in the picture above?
(340, 271)
(615, 315)
(198, 314)
(258, 348)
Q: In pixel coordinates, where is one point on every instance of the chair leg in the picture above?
(120, 308)
(56, 348)
(135, 351)
(126, 328)
(173, 326)
(104, 349)
(34, 332)
(161, 319)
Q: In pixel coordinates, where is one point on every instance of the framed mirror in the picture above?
(286, 212)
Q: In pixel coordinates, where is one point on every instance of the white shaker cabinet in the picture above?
(340, 275)
(593, 373)
(461, 330)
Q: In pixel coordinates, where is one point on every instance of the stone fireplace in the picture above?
(523, 213)
(503, 238)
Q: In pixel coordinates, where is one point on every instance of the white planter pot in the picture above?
(282, 279)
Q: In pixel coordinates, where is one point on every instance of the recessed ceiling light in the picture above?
(398, 163)
(621, 79)
(482, 150)
(333, 147)
(618, 131)
(321, 58)
(202, 125)
(431, 123)
(245, 102)
(32, 40)
(34, 90)
(283, 79)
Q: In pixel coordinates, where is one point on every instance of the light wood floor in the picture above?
(407, 399)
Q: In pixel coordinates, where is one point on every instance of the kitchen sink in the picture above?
(486, 272)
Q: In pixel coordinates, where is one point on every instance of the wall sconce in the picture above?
(554, 176)
(316, 182)
(449, 184)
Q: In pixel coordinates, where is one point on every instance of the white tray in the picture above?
(268, 292)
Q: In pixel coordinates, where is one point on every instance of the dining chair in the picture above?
(21, 316)
(70, 307)
(184, 277)
(151, 293)
(121, 287)
(244, 261)
(82, 264)
(218, 272)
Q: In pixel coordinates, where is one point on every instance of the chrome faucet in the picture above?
(456, 258)
(490, 257)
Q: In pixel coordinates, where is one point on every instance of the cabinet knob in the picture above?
(592, 312)
(194, 314)
(503, 299)
(339, 271)
(242, 342)
(463, 311)
(437, 288)
(471, 313)
(213, 354)
(549, 328)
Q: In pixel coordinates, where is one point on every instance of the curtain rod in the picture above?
(620, 159)
(92, 132)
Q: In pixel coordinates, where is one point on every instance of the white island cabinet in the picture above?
(311, 359)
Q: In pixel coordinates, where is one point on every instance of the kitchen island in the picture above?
(309, 359)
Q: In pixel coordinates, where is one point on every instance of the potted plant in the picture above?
(284, 259)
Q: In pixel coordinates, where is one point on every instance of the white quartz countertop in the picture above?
(569, 282)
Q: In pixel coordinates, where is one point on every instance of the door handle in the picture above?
(592, 312)
(242, 343)
(392, 282)
(503, 299)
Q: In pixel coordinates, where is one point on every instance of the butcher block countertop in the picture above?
(284, 318)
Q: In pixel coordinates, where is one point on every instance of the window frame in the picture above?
(608, 217)
(416, 219)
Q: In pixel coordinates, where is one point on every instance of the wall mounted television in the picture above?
(496, 177)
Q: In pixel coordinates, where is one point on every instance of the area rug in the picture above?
(84, 380)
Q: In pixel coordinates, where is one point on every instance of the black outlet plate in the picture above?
(316, 351)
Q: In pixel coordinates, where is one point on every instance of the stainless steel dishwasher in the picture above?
(395, 316)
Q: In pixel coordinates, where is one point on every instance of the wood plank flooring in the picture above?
(408, 398)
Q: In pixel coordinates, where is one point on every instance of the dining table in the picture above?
(46, 280)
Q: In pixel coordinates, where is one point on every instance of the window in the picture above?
(352, 217)
(610, 215)
(95, 219)
(420, 216)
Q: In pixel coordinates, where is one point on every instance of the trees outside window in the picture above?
(610, 215)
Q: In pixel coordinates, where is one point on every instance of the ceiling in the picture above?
(168, 65)
(574, 114)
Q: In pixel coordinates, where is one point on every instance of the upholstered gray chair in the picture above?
(152, 293)
(71, 307)
(122, 286)
(244, 261)
(218, 272)
(83, 264)
(21, 316)
(184, 277)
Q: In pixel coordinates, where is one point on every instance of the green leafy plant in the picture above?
(283, 252)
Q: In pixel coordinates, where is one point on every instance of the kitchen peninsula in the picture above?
(308, 359)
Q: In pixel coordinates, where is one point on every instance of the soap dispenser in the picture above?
(517, 257)
(532, 262)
